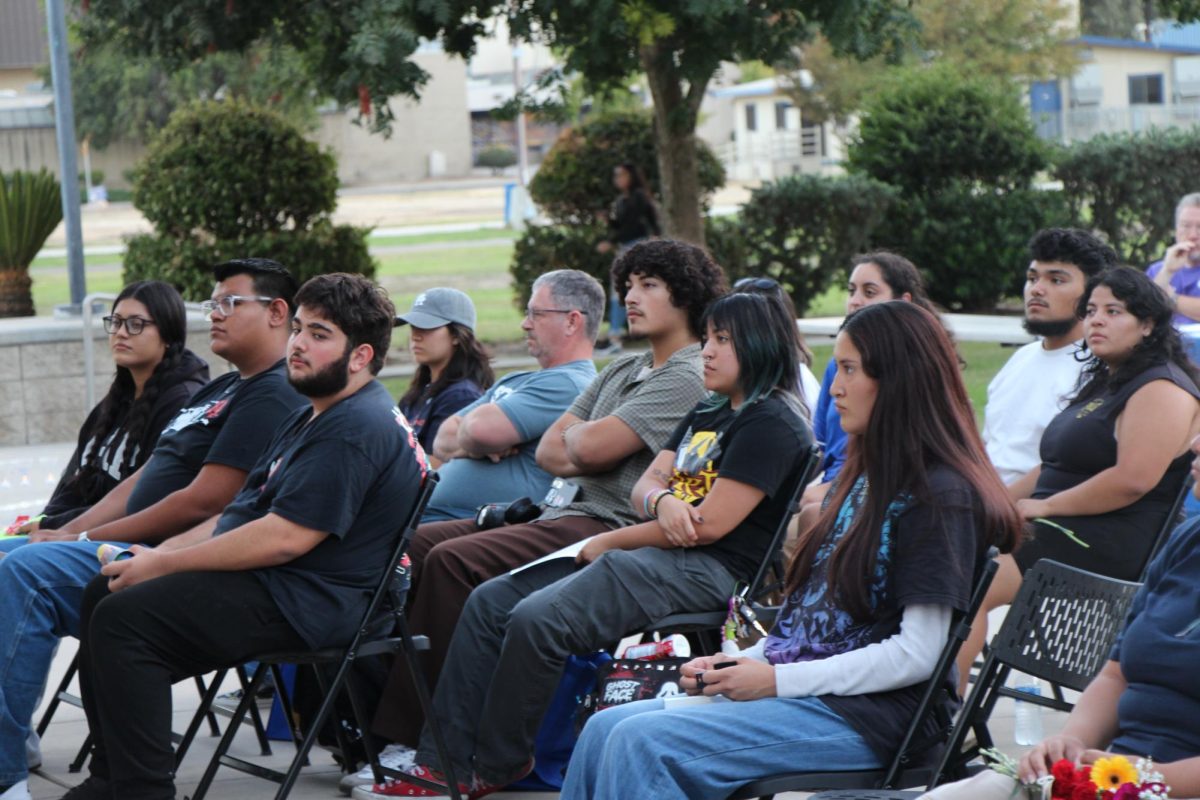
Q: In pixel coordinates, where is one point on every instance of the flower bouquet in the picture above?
(1112, 778)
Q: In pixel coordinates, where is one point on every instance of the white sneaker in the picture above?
(18, 791)
(394, 756)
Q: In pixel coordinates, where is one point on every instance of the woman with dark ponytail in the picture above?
(156, 374)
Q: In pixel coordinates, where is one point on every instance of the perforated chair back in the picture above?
(1060, 628)
(1062, 623)
(1174, 518)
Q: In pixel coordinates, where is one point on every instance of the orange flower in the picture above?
(1110, 773)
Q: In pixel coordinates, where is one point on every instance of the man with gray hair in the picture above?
(489, 447)
(1178, 273)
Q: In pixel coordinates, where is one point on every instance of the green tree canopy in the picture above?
(123, 96)
(357, 53)
(679, 46)
(961, 152)
(1024, 39)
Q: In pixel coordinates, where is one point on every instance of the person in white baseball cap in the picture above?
(453, 369)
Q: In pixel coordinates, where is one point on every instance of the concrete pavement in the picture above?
(27, 476)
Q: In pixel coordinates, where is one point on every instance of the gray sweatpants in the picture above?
(517, 630)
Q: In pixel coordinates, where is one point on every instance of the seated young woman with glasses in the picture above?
(155, 375)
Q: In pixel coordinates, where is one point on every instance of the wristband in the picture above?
(646, 504)
(658, 496)
(83, 537)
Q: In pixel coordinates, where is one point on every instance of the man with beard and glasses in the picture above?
(289, 564)
(1029, 390)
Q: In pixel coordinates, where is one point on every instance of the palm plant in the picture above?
(30, 210)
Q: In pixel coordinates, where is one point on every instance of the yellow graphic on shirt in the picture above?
(1089, 408)
(694, 473)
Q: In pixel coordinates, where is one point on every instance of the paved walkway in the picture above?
(27, 476)
(435, 206)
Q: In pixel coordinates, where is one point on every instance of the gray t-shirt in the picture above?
(651, 402)
(532, 401)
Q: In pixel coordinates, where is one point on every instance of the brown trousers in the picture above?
(449, 560)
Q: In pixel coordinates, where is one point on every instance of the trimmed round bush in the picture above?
(226, 180)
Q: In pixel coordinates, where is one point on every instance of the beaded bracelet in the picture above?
(658, 496)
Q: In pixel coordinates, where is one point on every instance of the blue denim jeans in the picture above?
(41, 586)
(706, 751)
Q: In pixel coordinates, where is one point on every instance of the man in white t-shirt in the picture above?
(1033, 386)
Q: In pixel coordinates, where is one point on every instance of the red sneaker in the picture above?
(480, 788)
(402, 788)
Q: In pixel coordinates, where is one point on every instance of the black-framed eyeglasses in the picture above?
(229, 302)
(534, 313)
(756, 283)
(133, 325)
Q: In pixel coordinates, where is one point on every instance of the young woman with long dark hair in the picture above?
(453, 369)
(870, 591)
(876, 277)
(155, 375)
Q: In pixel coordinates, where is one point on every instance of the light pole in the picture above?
(64, 132)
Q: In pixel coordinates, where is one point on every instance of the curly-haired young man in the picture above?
(601, 445)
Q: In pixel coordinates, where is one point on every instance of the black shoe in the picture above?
(92, 788)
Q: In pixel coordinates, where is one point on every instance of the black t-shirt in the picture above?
(228, 422)
(633, 218)
(761, 446)
(81, 487)
(930, 553)
(354, 472)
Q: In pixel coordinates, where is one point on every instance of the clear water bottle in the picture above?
(1028, 728)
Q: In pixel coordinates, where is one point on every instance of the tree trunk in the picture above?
(16, 297)
(675, 114)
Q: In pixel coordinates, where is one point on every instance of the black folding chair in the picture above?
(1174, 518)
(705, 624)
(182, 741)
(937, 698)
(364, 644)
(1060, 628)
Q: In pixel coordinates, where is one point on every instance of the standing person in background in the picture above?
(1033, 385)
(453, 369)
(155, 375)
(632, 219)
(1178, 273)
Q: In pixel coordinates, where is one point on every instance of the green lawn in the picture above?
(482, 272)
(984, 360)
